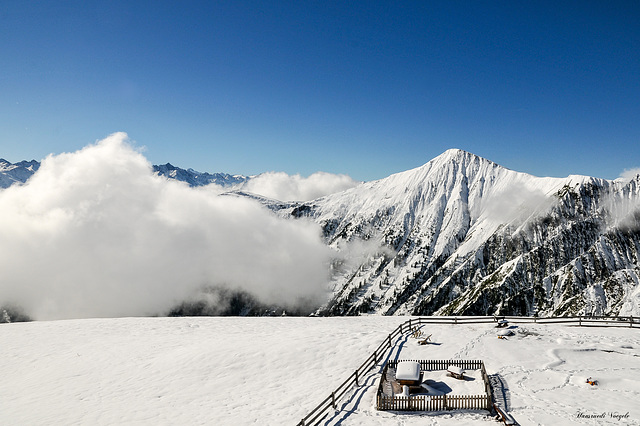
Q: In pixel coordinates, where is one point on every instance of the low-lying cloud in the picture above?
(95, 233)
(628, 174)
(515, 203)
(284, 187)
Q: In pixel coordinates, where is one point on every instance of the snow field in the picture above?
(273, 371)
(186, 371)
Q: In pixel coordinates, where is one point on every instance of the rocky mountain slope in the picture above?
(462, 235)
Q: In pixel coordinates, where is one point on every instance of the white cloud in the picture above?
(284, 187)
(629, 174)
(96, 233)
(514, 202)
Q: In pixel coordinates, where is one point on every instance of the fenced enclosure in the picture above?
(330, 402)
(435, 402)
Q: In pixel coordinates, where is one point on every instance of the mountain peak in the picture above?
(459, 156)
(454, 153)
(450, 166)
(464, 235)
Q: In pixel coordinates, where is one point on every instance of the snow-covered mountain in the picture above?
(20, 172)
(463, 235)
(194, 178)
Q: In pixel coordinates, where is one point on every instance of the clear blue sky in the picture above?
(364, 88)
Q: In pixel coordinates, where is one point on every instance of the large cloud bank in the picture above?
(96, 233)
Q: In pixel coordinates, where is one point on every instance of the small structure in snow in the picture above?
(456, 372)
(435, 389)
(405, 390)
(425, 341)
(504, 333)
(408, 373)
(416, 332)
(592, 382)
(502, 323)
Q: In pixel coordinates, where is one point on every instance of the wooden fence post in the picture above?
(333, 400)
(357, 384)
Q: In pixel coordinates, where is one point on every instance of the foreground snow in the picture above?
(273, 371)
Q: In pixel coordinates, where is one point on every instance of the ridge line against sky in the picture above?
(367, 90)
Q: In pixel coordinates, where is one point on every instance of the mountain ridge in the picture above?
(462, 235)
(16, 173)
(20, 172)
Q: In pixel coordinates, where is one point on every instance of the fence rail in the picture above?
(441, 364)
(330, 403)
(434, 403)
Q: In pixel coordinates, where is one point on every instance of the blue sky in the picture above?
(363, 88)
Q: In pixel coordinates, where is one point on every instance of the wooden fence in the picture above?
(441, 364)
(433, 403)
(439, 402)
(329, 404)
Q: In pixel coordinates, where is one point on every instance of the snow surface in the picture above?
(273, 371)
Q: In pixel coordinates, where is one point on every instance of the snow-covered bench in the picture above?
(456, 372)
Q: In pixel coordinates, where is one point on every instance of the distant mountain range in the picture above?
(462, 235)
(20, 172)
(194, 178)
